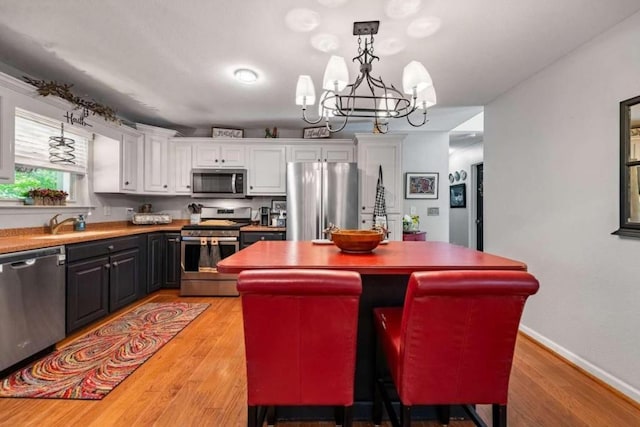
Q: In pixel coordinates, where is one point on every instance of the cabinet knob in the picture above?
(126, 183)
(325, 160)
(107, 266)
(251, 187)
(262, 238)
(363, 208)
(216, 160)
(165, 186)
(115, 263)
(363, 221)
(222, 160)
(318, 159)
(110, 247)
(188, 186)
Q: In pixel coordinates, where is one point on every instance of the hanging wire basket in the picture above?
(61, 149)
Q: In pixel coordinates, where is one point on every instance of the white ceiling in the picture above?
(170, 63)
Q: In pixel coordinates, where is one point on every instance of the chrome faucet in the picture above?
(54, 225)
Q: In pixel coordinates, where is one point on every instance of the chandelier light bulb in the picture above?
(426, 98)
(415, 78)
(305, 92)
(336, 75)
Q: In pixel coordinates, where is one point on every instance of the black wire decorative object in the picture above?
(61, 149)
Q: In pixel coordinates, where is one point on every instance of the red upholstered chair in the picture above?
(452, 342)
(300, 330)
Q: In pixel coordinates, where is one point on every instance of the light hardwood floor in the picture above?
(198, 379)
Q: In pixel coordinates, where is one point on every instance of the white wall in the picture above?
(429, 152)
(551, 152)
(461, 220)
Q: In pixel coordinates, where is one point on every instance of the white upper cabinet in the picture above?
(267, 170)
(116, 163)
(156, 158)
(180, 165)
(7, 124)
(131, 148)
(211, 154)
(375, 151)
(321, 153)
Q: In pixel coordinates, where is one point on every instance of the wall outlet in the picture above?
(414, 211)
(433, 211)
(106, 210)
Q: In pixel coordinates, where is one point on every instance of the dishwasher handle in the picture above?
(23, 264)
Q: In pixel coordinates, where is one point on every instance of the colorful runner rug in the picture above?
(94, 364)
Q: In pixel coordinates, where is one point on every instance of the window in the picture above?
(629, 168)
(33, 168)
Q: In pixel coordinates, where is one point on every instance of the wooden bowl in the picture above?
(357, 241)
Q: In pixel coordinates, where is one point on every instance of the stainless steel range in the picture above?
(202, 245)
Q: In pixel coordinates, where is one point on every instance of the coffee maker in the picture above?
(265, 216)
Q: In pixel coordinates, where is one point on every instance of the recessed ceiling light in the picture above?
(302, 20)
(245, 75)
(325, 42)
(423, 27)
(389, 46)
(399, 9)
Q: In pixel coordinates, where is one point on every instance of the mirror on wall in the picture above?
(629, 168)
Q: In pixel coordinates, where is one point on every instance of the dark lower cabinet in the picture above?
(87, 292)
(155, 264)
(102, 277)
(172, 260)
(250, 237)
(124, 278)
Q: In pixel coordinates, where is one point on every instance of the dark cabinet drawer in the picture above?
(80, 251)
(249, 237)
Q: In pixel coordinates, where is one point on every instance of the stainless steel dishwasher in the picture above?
(32, 303)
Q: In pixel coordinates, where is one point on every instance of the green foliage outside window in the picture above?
(27, 178)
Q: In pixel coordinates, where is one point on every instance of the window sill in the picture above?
(10, 206)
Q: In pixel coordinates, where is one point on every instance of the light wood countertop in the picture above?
(13, 240)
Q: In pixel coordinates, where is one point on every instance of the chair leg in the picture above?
(443, 414)
(499, 415)
(376, 410)
(338, 415)
(252, 416)
(271, 415)
(405, 415)
(347, 416)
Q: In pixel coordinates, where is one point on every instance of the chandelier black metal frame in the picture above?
(61, 149)
(367, 96)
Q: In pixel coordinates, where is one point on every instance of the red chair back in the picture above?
(300, 330)
(458, 335)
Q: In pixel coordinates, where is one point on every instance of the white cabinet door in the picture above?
(181, 162)
(336, 153)
(116, 164)
(306, 154)
(206, 155)
(7, 131)
(320, 153)
(156, 175)
(232, 156)
(267, 170)
(375, 151)
(130, 166)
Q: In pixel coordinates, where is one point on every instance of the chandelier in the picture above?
(61, 149)
(367, 96)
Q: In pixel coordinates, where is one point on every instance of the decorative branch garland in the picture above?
(62, 90)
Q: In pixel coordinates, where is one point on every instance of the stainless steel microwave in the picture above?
(221, 183)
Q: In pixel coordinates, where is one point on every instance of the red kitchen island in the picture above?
(385, 273)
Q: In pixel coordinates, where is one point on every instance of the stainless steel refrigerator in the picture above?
(319, 194)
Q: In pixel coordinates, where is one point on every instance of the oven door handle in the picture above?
(198, 239)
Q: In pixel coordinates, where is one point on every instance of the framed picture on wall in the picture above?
(421, 185)
(458, 196)
(278, 206)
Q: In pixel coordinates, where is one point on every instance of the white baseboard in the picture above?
(604, 376)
